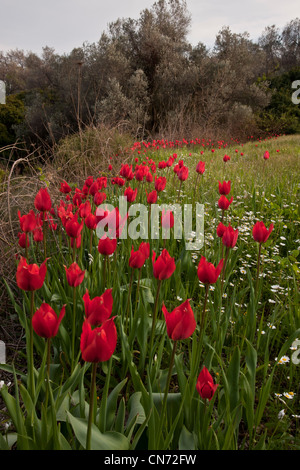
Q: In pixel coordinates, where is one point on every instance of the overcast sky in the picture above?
(65, 24)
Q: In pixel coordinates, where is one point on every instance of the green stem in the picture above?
(128, 297)
(224, 268)
(258, 267)
(164, 405)
(48, 371)
(73, 328)
(154, 318)
(31, 346)
(137, 291)
(91, 410)
(202, 321)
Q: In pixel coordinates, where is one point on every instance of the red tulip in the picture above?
(207, 273)
(180, 322)
(167, 219)
(42, 200)
(226, 158)
(145, 248)
(164, 266)
(183, 173)
(266, 155)
(91, 221)
(84, 209)
(230, 237)
(28, 222)
(99, 198)
(30, 277)
(73, 227)
(200, 168)
(223, 202)
(224, 188)
(205, 385)
(23, 240)
(65, 188)
(160, 183)
(152, 197)
(98, 309)
(261, 233)
(38, 235)
(45, 321)
(98, 344)
(137, 259)
(106, 245)
(130, 194)
(220, 230)
(74, 275)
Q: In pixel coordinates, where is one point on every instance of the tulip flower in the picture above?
(130, 194)
(207, 272)
(65, 188)
(160, 183)
(73, 227)
(220, 230)
(205, 385)
(226, 158)
(84, 209)
(200, 168)
(164, 266)
(167, 219)
(98, 309)
(28, 222)
(107, 246)
(180, 322)
(224, 188)
(98, 344)
(45, 321)
(74, 275)
(30, 277)
(137, 258)
(224, 203)
(42, 200)
(23, 240)
(145, 248)
(183, 173)
(229, 237)
(99, 198)
(261, 233)
(152, 197)
(266, 155)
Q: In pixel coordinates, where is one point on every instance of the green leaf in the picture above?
(186, 440)
(99, 441)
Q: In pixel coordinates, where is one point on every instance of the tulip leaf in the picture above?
(186, 440)
(99, 441)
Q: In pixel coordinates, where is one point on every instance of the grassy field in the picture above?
(247, 333)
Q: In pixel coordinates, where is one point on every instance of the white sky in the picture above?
(65, 24)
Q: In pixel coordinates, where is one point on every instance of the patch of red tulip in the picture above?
(98, 309)
(98, 344)
(30, 277)
(163, 266)
(181, 322)
(205, 385)
(74, 274)
(207, 272)
(261, 233)
(45, 321)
